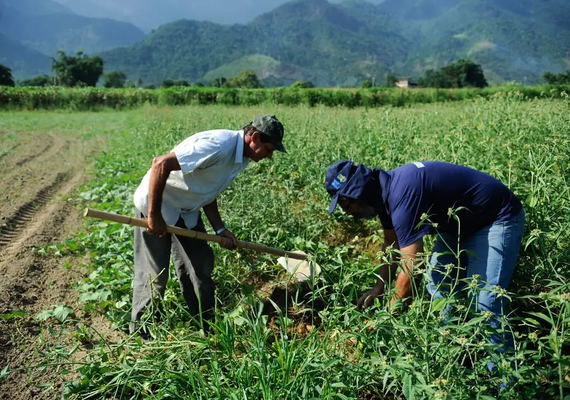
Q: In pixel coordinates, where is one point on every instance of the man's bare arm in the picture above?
(403, 289)
(229, 241)
(161, 168)
(386, 272)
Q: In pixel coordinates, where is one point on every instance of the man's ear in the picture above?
(255, 136)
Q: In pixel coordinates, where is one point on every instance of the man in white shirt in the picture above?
(172, 192)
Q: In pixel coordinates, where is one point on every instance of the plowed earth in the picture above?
(38, 172)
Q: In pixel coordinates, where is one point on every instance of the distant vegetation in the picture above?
(302, 85)
(79, 70)
(6, 78)
(97, 98)
(40, 80)
(82, 70)
(463, 73)
(115, 79)
(167, 83)
(563, 78)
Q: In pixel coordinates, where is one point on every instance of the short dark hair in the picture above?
(250, 130)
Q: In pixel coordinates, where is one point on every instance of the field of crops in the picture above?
(319, 345)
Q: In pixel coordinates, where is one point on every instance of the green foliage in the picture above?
(15, 314)
(557, 79)
(40, 80)
(97, 98)
(218, 82)
(302, 85)
(244, 80)
(367, 84)
(60, 313)
(78, 70)
(167, 83)
(115, 79)
(463, 73)
(6, 78)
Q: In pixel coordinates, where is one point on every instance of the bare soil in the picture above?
(38, 172)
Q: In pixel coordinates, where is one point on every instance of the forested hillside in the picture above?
(327, 44)
(314, 40)
(344, 44)
(513, 40)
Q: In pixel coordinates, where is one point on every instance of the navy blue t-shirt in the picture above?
(432, 188)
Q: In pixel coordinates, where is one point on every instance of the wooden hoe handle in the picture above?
(123, 219)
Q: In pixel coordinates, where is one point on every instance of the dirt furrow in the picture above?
(34, 211)
(8, 151)
(35, 153)
(16, 223)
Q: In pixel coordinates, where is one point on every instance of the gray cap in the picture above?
(272, 127)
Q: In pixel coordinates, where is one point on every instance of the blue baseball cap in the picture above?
(344, 178)
(336, 179)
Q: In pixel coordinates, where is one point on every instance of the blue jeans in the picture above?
(491, 253)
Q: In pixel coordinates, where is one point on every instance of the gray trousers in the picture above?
(194, 262)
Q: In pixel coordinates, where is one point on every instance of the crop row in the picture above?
(37, 98)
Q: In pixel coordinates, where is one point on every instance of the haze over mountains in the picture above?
(150, 14)
(33, 30)
(327, 43)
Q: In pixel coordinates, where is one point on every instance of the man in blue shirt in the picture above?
(478, 221)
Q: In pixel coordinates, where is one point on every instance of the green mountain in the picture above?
(23, 61)
(513, 40)
(46, 26)
(328, 45)
(342, 44)
(69, 32)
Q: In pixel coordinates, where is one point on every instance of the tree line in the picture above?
(80, 70)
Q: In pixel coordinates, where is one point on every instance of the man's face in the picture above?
(260, 150)
(357, 208)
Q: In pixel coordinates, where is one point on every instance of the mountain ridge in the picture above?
(346, 43)
(314, 35)
(44, 26)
